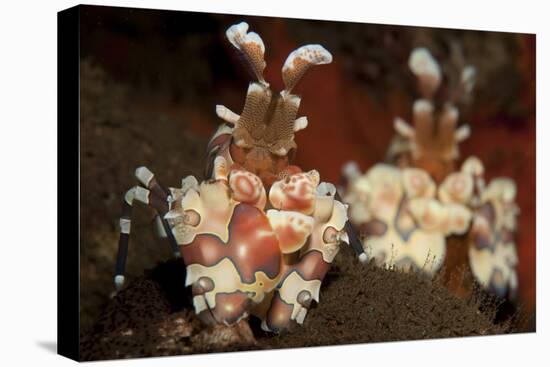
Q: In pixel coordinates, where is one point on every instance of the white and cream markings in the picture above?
(247, 188)
(299, 61)
(296, 192)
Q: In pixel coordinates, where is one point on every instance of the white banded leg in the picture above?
(154, 196)
(148, 179)
(134, 193)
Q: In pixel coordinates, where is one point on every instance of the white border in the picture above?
(28, 153)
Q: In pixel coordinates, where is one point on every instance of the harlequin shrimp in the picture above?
(407, 208)
(258, 236)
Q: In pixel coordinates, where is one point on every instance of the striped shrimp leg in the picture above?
(154, 196)
(148, 179)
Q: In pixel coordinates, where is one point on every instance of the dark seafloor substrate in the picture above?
(153, 315)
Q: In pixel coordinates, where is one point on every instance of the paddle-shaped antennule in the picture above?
(252, 47)
(299, 61)
(261, 138)
(271, 120)
(427, 71)
(281, 127)
(251, 125)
